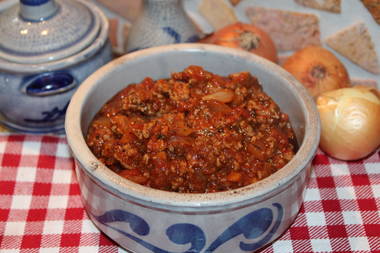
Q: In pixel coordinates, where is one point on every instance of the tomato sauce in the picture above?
(194, 132)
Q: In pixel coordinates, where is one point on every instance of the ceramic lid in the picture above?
(38, 31)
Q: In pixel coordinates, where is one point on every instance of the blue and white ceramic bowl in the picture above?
(47, 48)
(142, 219)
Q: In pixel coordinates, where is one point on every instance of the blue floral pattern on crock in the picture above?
(177, 37)
(50, 116)
(261, 223)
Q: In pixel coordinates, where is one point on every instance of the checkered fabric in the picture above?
(41, 209)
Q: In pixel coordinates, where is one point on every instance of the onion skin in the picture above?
(317, 69)
(350, 120)
(246, 37)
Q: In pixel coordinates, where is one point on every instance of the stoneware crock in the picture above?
(47, 48)
(161, 22)
(142, 219)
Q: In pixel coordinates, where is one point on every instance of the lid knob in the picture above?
(37, 10)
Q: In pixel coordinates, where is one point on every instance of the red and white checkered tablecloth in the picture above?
(41, 208)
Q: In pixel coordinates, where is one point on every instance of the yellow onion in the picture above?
(223, 95)
(350, 119)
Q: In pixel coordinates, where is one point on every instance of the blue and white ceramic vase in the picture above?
(161, 22)
(47, 48)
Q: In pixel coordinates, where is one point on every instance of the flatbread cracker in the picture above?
(373, 7)
(129, 10)
(218, 13)
(355, 43)
(289, 30)
(113, 31)
(326, 5)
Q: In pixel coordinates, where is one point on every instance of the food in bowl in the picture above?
(193, 132)
(145, 219)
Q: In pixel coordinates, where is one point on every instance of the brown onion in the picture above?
(247, 37)
(317, 69)
(350, 119)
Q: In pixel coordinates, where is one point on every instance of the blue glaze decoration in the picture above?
(268, 236)
(178, 233)
(193, 38)
(50, 116)
(137, 224)
(133, 220)
(34, 2)
(48, 84)
(263, 223)
(253, 225)
(173, 33)
(183, 233)
(147, 245)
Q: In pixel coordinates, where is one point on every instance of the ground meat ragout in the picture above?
(195, 132)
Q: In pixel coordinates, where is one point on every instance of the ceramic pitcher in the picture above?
(161, 22)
